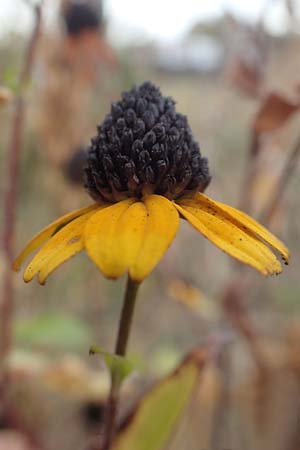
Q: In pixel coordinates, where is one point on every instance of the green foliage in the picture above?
(165, 359)
(156, 416)
(117, 365)
(10, 78)
(57, 331)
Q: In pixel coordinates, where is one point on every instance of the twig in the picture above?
(236, 288)
(235, 292)
(235, 309)
(245, 202)
(289, 167)
(222, 404)
(10, 199)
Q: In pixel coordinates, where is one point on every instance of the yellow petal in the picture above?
(161, 228)
(102, 239)
(130, 231)
(246, 222)
(49, 231)
(218, 227)
(62, 246)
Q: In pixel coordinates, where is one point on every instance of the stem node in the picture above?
(120, 349)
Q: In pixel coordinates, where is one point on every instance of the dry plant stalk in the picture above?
(273, 113)
(287, 171)
(10, 199)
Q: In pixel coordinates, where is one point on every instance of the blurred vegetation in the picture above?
(241, 406)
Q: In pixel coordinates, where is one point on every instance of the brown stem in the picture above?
(235, 291)
(10, 199)
(245, 202)
(120, 349)
(235, 309)
(222, 404)
(236, 288)
(289, 167)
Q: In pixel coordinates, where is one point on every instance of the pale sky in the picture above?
(162, 20)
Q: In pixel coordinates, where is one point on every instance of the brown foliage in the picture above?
(274, 112)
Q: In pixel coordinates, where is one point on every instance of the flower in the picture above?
(145, 172)
(80, 17)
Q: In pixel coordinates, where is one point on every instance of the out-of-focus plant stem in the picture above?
(238, 286)
(288, 169)
(120, 350)
(10, 199)
(252, 166)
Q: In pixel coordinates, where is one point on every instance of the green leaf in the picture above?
(53, 330)
(10, 78)
(155, 417)
(118, 366)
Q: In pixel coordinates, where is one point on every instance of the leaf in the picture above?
(6, 95)
(55, 330)
(245, 76)
(274, 113)
(117, 365)
(192, 297)
(151, 424)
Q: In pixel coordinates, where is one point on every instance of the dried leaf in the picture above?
(246, 77)
(6, 95)
(192, 298)
(273, 113)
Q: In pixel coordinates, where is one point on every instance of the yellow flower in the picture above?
(145, 172)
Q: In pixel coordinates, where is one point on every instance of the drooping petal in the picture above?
(161, 228)
(131, 232)
(62, 246)
(246, 222)
(228, 235)
(49, 231)
(102, 237)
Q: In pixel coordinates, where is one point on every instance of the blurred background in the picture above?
(233, 68)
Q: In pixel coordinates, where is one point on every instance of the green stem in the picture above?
(120, 349)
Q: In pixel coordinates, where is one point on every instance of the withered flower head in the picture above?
(145, 172)
(81, 16)
(145, 147)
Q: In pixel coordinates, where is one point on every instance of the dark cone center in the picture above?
(144, 147)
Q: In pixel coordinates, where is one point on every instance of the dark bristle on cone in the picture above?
(79, 17)
(143, 147)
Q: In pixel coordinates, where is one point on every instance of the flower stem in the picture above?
(120, 350)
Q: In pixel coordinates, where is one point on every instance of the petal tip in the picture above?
(26, 280)
(28, 275)
(42, 279)
(286, 257)
(274, 272)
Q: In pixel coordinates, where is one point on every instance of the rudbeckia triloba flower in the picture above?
(145, 172)
(81, 16)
